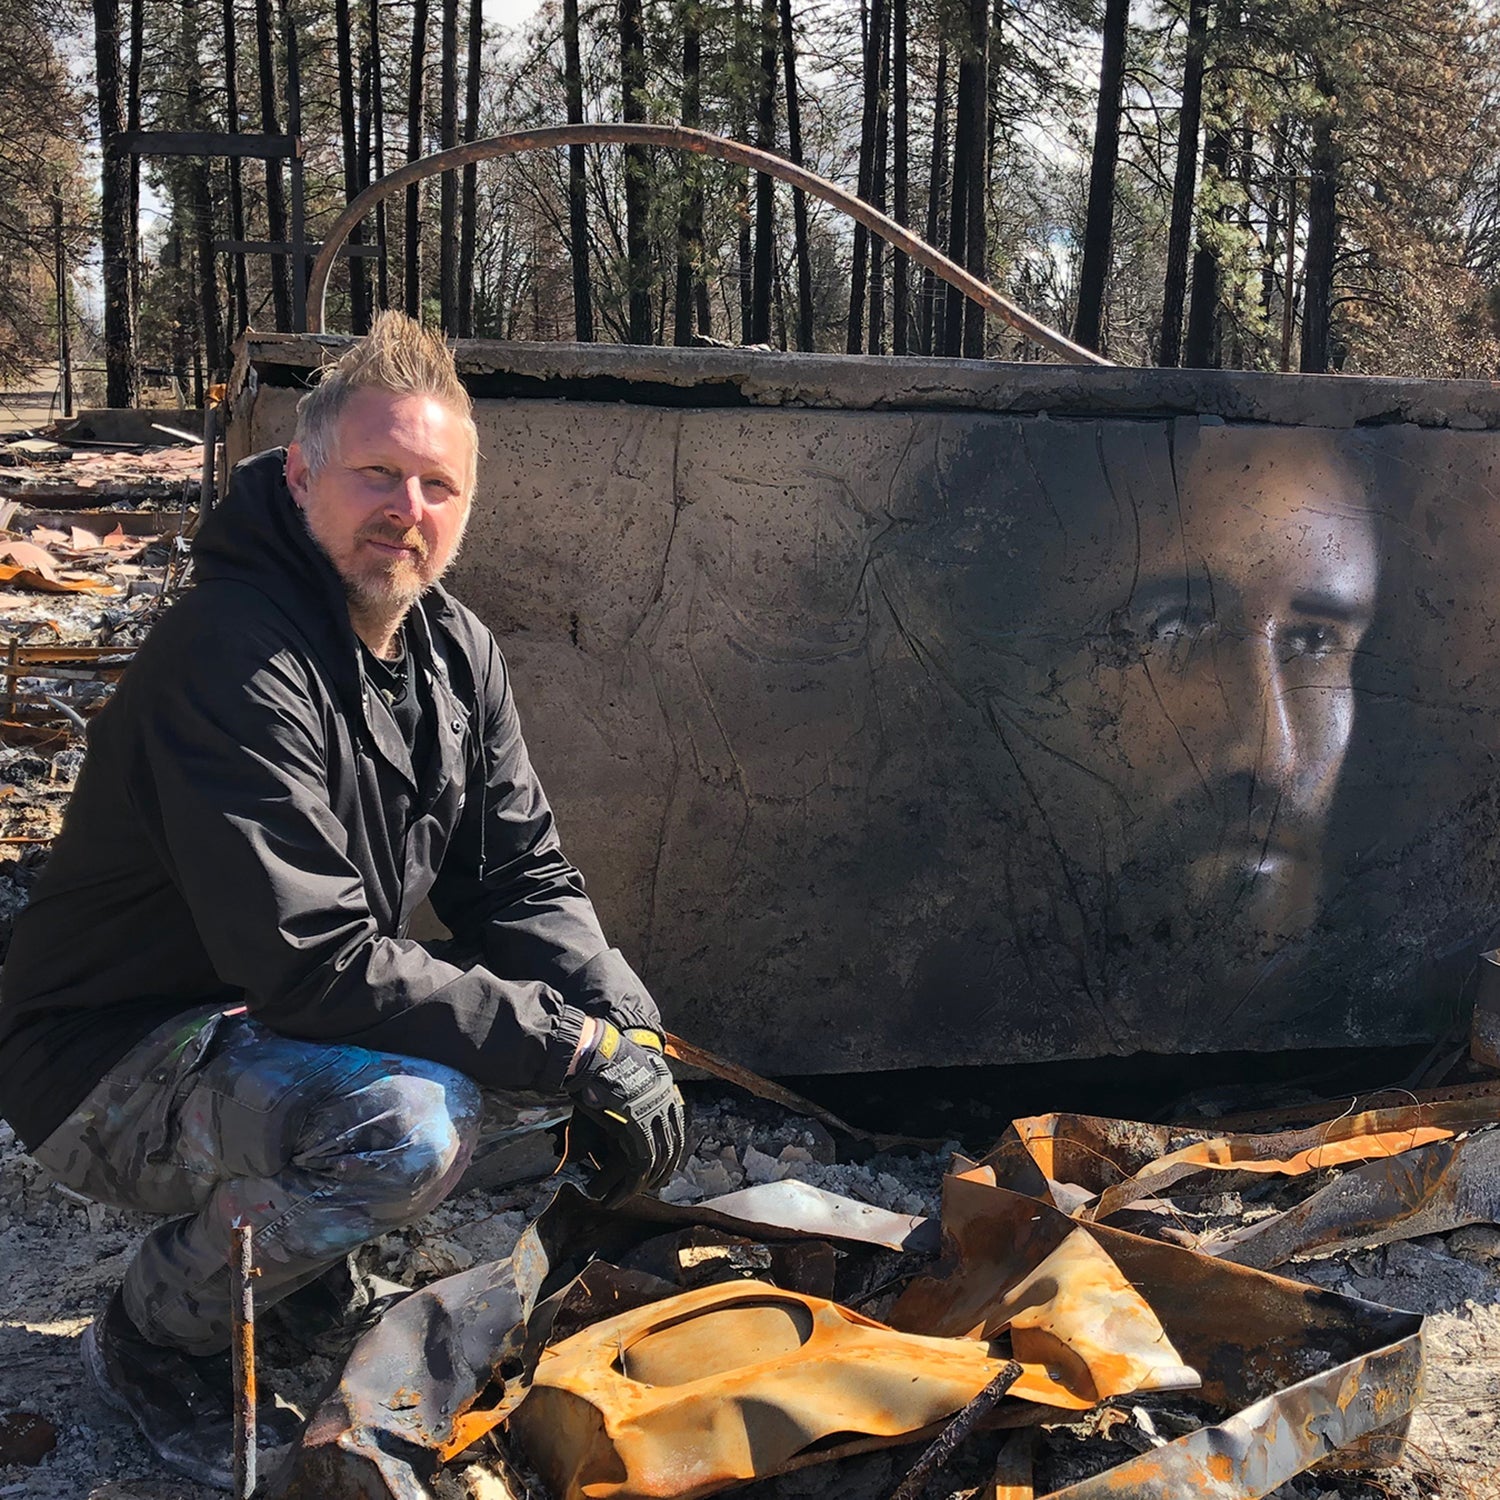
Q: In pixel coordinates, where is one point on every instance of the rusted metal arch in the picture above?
(679, 138)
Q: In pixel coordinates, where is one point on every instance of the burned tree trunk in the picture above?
(377, 127)
(1322, 227)
(1098, 234)
(291, 46)
(977, 237)
(238, 280)
(900, 275)
(878, 197)
(958, 218)
(359, 284)
(1271, 251)
(869, 126)
(1289, 277)
(801, 248)
(265, 52)
(1201, 352)
(765, 186)
(933, 297)
(133, 122)
(119, 340)
(469, 214)
(201, 196)
(448, 183)
(743, 240)
(637, 168)
(365, 101)
(1184, 185)
(578, 208)
(416, 103)
(964, 320)
(690, 210)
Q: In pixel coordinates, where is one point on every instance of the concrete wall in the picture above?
(1041, 713)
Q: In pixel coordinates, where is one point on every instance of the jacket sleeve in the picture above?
(234, 788)
(506, 888)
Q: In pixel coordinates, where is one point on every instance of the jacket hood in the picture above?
(257, 536)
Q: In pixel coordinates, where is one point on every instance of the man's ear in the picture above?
(297, 474)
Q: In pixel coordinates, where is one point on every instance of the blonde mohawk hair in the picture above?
(398, 355)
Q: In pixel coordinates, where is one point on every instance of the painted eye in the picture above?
(1311, 640)
(1181, 623)
(1172, 634)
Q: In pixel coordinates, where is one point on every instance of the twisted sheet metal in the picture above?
(1305, 1374)
(1100, 1166)
(1430, 1190)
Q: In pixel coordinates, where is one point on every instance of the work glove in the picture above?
(628, 1116)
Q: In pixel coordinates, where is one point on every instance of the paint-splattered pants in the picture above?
(318, 1147)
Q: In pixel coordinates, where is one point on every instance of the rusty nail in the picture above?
(241, 1274)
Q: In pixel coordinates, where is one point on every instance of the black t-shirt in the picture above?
(400, 683)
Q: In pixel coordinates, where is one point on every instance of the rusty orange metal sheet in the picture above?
(1062, 1299)
(1272, 1440)
(710, 1388)
(1305, 1372)
(1431, 1190)
(1105, 1165)
(623, 1385)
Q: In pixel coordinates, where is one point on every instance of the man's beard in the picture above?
(397, 584)
(395, 587)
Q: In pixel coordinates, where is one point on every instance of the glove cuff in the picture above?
(567, 1031)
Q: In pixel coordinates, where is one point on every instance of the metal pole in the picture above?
(299, 200)
(241, 1276)
(206, 496)
(60, 272)
(679, 138)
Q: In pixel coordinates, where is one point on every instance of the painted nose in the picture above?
(1275, 723)
(1232, 715)
(1290, 724)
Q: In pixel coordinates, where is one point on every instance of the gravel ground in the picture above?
(60, 1257)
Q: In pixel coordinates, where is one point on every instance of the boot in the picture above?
(182, 1403)
(330, 1315)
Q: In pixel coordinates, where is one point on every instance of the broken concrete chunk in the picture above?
(1476, 1242)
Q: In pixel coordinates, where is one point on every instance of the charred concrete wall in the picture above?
(907, 712)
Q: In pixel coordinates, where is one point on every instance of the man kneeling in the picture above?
(210, 1009)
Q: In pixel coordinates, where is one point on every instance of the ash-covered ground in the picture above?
(59, 1258)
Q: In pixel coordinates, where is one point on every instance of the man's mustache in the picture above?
(411, 538)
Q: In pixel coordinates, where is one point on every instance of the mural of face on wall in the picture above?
(1151, 633)
(890, 735)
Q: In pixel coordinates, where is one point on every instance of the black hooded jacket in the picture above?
(247, 829)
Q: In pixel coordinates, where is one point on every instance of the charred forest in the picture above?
(1275, 185)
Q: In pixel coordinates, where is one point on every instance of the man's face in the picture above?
(390, 505)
